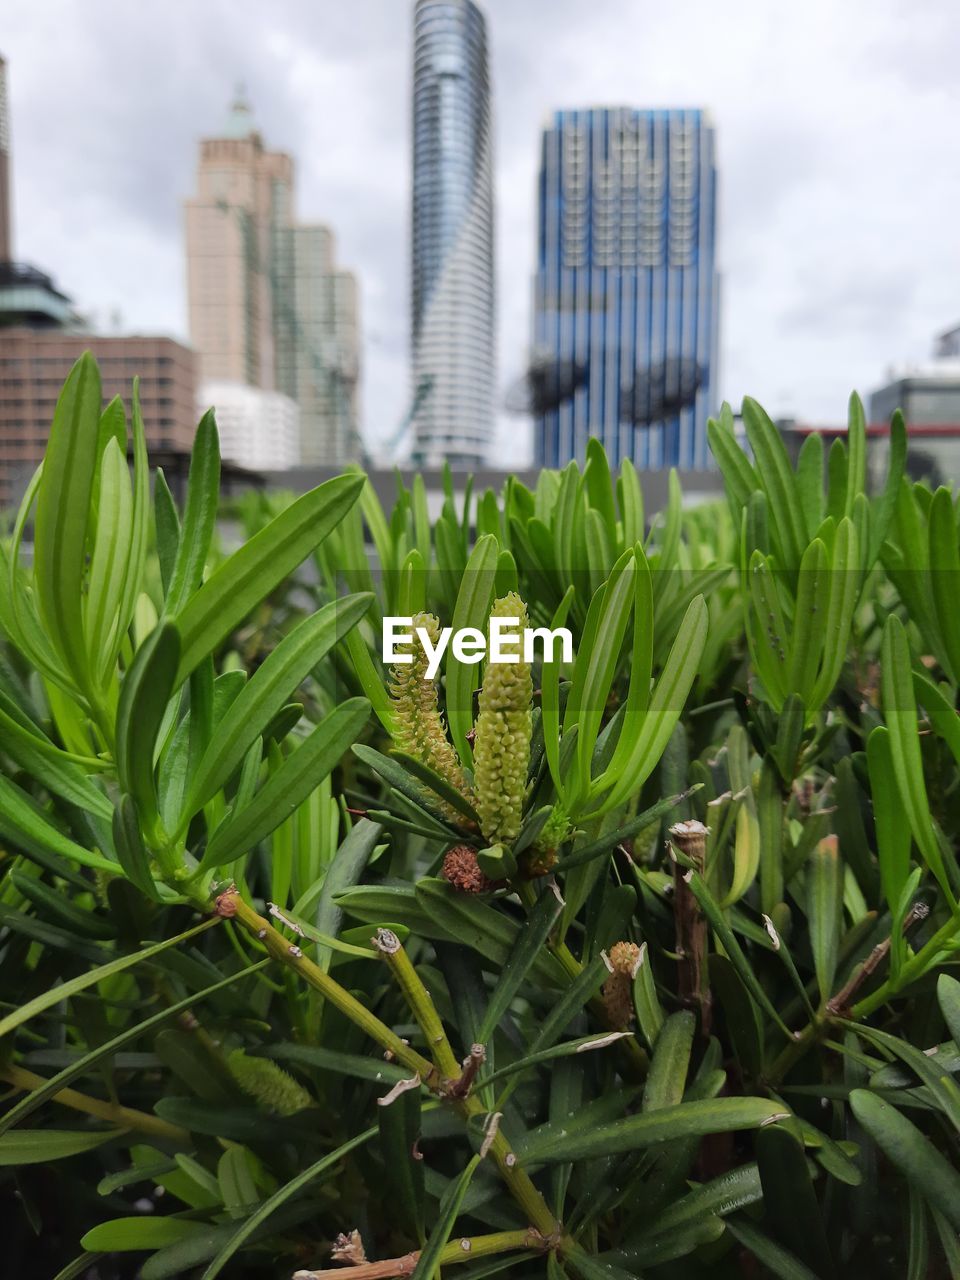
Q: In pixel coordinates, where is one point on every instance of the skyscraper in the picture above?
(627, 292)
(453, 276)
(6, 237)
(263, 293)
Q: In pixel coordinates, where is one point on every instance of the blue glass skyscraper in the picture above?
(627, 292)
(453, 273)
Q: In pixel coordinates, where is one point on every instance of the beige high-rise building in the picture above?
(268, 307)
(6, 216)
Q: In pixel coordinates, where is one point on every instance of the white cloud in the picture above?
(840, 180)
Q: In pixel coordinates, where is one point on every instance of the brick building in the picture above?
(34, 364)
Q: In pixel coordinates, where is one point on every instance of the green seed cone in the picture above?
(269, 1084)
(501, 752)
(418, 726)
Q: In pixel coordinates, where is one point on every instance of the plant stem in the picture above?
(915, 967)
(517, 1180)
(466, 1249)
(233, 906)
(692, 931)
(418, 998)
(126, 1117)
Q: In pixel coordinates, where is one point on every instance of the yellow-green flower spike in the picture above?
(501, 751)
(418, 726)
(269, 1084)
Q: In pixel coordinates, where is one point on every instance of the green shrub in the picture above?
(637, 964)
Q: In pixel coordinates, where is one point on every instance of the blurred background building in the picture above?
(268, 309)
(928, 395)
(626, 297)
(262, 428)
(41, 335)
(453, 343)
(34, 363)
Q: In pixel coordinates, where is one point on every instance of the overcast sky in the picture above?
(838, 139)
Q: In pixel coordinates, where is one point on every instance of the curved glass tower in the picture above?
(453, 287)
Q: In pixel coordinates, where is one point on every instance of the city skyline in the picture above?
(822, 287)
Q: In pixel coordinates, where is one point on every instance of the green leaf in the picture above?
(844, 589)
(52, 768)
(131, 851)
(646, 1003)
(890, 818)
(722, 1195)
(945, 574)
(810, 481)
(371, 677)
(597, 662)
(298, 775)
(280, 1197)
(940, 712)
(942, 1089)
(590, 1268)
(900, 713)
(199, 516)
(166, 521)
(780, 1261)
(948, 997)
(446, 1219)
(438, 785)
(108, 563)
(403, 1171)
(582, 854)
(550, 698)
(664, 711)
(23, 823)
(790, 1200)
(885, 504)
(235, 1178)
(856, 452)
(667, 1076)
(472, 610)
(529, 945)
(349, 864)
(630, 499)
(143, 702)
(806, 642)
(268, 690)
(252, 572)
(64, 990)
(40, 1146)
(825, 911)
(739, 475)
(122, 1235)
(746, 852)
(635, 1132)
(914, 1155)
(345, 1064)
(475, 924)
(777, 480)
(63, 509)
(397, 776)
